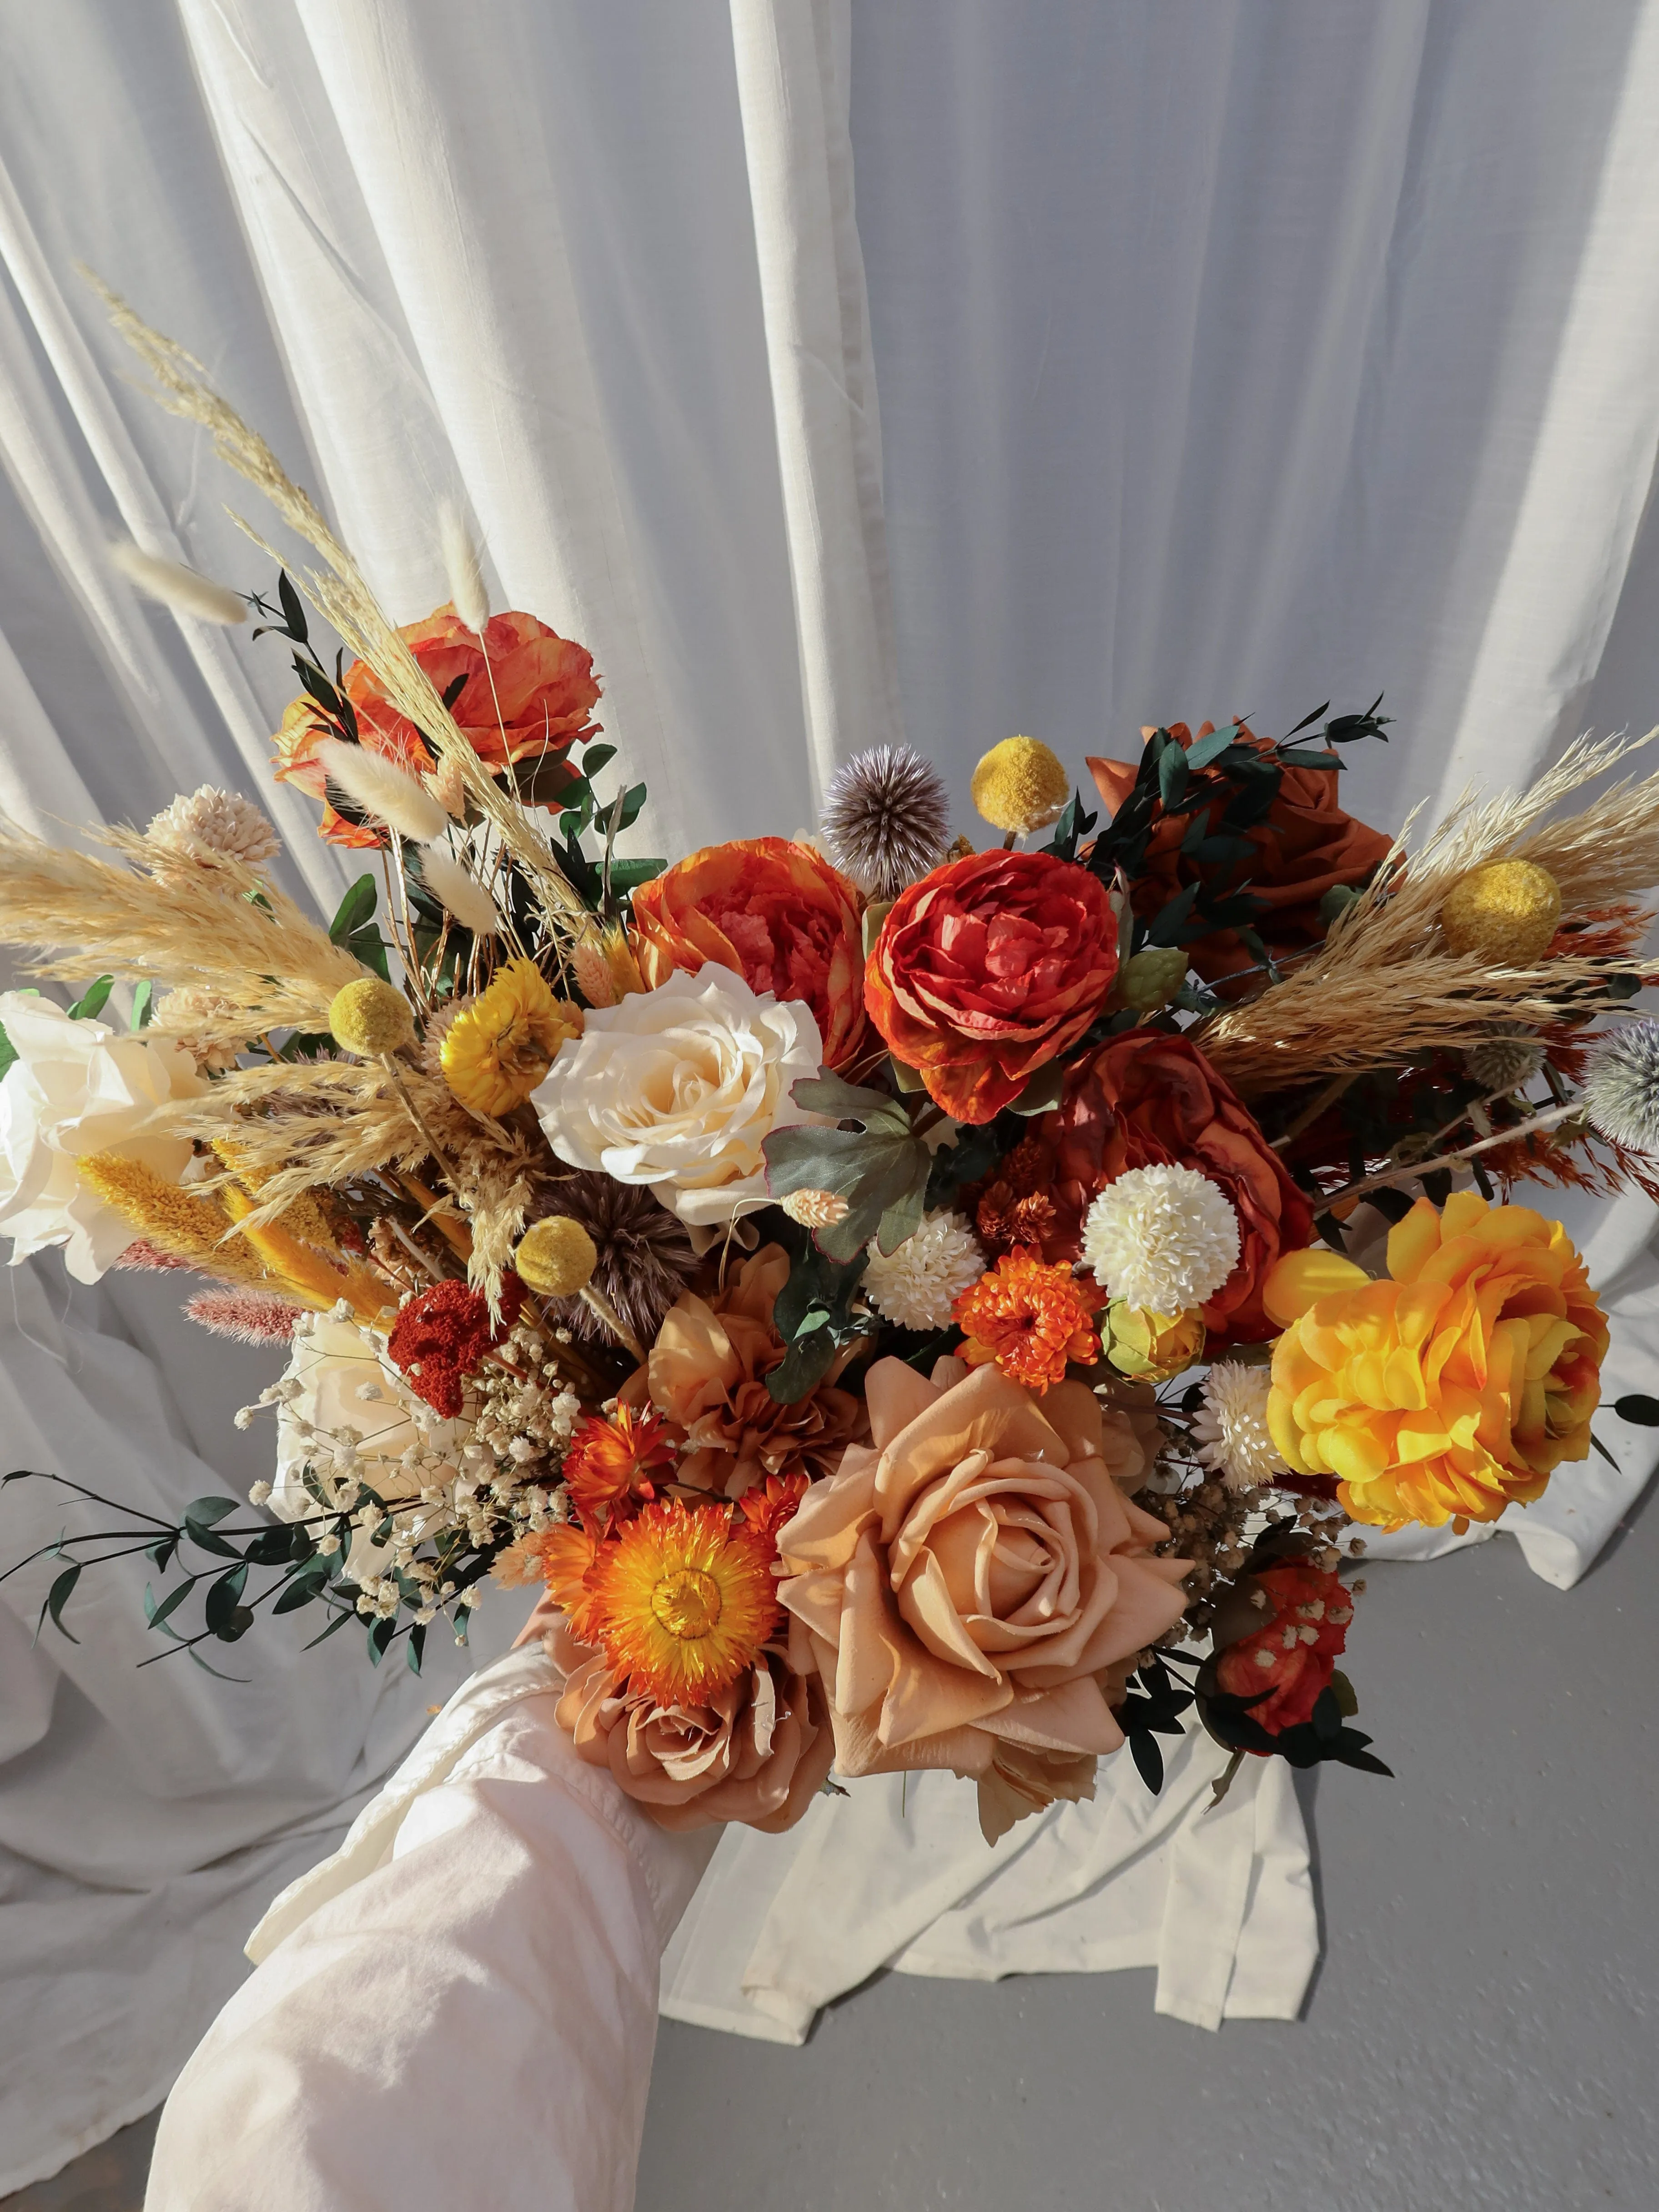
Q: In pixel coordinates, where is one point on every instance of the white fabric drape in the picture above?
(1229, 358)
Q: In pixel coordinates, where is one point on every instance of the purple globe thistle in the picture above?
(886, 819)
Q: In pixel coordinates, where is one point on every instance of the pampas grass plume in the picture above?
(176, 587)
(381, 787)
(459, 890)
(467, 583)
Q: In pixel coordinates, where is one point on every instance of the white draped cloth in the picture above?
(1228, 359)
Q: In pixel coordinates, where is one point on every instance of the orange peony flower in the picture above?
(1304, 847)
(1453, 1389)
(541, 704)
(986, 969)
(611, 1465)
(1293, 1653)
(684, 1599)
(772, 912)
(1030, 1318)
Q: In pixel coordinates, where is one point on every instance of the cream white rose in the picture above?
(77, 1088)
(677, 1087)
(353, 1418)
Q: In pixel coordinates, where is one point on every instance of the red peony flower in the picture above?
(441, 1336)
(532, 702)
(986, 969)
(772, 912)
(1144, 1099)
(1294, 1652)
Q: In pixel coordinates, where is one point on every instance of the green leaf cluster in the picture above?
(877, 1164)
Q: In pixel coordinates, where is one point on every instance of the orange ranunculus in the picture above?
(1451, 1390)
(532, 702)
(1304, 847)
(1292, 1650)
(775, 913)
(1145, 1099)
(986, 969)
(963, 1583)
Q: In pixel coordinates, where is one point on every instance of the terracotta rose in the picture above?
(961, 1583)
(707, 1373)
(533, 701)
(775, 913)
(1304, 847)
(758, 1753)
(1150, 1098)
(987, 969)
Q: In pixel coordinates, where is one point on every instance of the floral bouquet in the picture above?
(905, 1305)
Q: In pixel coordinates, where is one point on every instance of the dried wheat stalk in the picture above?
(343, 597)
(1384, 988)
(196, 923)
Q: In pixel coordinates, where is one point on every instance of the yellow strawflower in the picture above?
(496, 1050)
(1507, 912)
(684, 1600)
(1020, 785)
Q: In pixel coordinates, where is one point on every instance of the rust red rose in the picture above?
(1147, 1099)
(1304, 847)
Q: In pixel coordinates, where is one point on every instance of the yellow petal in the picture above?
(1300, 1279)
(1414, 1241)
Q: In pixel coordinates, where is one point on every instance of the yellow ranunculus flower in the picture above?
(1455, 1387)
(1152, 1346)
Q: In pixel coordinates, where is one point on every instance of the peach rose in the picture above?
(707, 1373)
(772, 912)
(961, 1584)
(758, 1753)
(532, 702)
(1452, 1390)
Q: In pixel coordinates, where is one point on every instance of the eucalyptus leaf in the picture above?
(354, 910)
(92, 1000)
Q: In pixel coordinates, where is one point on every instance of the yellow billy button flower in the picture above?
(684, 1600)
(496, 1050)
(1505, 912)
(371, 1019)
(1020, 785)
(557, 1257)
(1451, 1389)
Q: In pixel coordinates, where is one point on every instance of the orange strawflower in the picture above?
(770, 1506)
(561, 1558)
(686, 1599)
(611, 1464)
(1030, 1318)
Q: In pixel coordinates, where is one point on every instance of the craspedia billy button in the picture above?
(557, 1257)
(370, 1018)
(1505, 912)
(1020, 785)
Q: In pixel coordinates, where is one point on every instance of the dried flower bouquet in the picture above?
(904, 1305)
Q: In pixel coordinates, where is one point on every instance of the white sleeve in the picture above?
(469, 2022)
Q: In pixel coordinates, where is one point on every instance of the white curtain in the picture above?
(1229, 358)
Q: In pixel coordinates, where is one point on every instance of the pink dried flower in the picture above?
(142, 1253)
(249, 1317)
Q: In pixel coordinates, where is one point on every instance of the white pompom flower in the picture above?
(1230, 1427)
(916, 1285)
(1163, 1238)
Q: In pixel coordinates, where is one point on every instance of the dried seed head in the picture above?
(886, 819)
